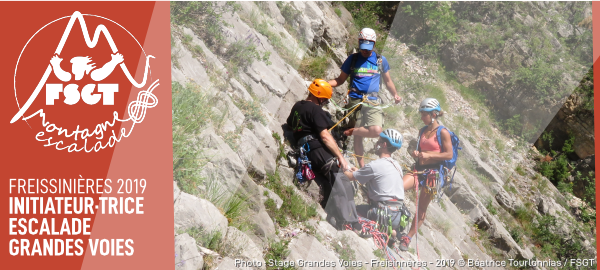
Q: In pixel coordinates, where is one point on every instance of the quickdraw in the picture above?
(434, 183)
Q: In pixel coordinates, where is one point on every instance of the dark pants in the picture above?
(337, 191)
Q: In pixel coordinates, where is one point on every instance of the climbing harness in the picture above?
(384, 213)
(436, 181)
(364, 101)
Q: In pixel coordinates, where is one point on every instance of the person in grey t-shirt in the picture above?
(383, 177)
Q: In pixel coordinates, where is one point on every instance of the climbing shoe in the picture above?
(358, 229)
(404, 242)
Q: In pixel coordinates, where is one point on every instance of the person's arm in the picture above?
(329, 142)
(350, 173)
(362, 175)
(58, 71)
(344, 71)
(428, 157)
(391, 87)
(108, 68)
(339, 80)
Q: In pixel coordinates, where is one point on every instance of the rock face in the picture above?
(239, 245)
(191, 211)
(187, 256)
(239, 151)
(308, 248)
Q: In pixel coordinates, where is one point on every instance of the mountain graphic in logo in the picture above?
(85, 81)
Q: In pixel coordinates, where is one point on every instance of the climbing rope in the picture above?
(364, 101)
(380, 239)
(417, 213)
(430, 185)
(353, 109)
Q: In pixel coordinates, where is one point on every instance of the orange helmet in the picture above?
(321, 89)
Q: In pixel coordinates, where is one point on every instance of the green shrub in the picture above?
(375, 15)
(513, 125)
(242, 53)
(568, 146)
(277, 251)
(204, 18)
(589, 187)
(586, 90)
(565, 187)
(338, 12)
(343, 249)
(490, 207)
(515, 233)
(313, 67)
(190, 114)
(520, 170)
(438, 22)
(553, 244)
(251, 110)
(556, 170)
(523, 215)
(541, 77)
(499, 145)
(293, 207)
(210, 240)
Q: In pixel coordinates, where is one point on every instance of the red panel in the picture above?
(146, 153)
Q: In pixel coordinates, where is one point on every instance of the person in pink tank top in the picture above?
(429, 157)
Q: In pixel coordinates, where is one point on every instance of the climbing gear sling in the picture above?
(304, 170)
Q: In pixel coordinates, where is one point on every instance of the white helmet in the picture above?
(367, 34)
(430, 104)
(393, 136)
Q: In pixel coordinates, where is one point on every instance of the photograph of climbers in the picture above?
(371, 135)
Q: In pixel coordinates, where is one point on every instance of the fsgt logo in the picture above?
(85, 84)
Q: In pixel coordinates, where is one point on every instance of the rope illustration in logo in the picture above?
(145, 100)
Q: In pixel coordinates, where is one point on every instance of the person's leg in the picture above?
(409, 181)
(369, 125)
(359, 150)
(367, 131)
(318, 157)
(424, 200)
(324, 186)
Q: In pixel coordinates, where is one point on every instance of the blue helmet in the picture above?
(430, 104)
(393, 137)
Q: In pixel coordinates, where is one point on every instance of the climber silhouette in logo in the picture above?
(83, 65)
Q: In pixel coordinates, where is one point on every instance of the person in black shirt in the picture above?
(310, 124)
